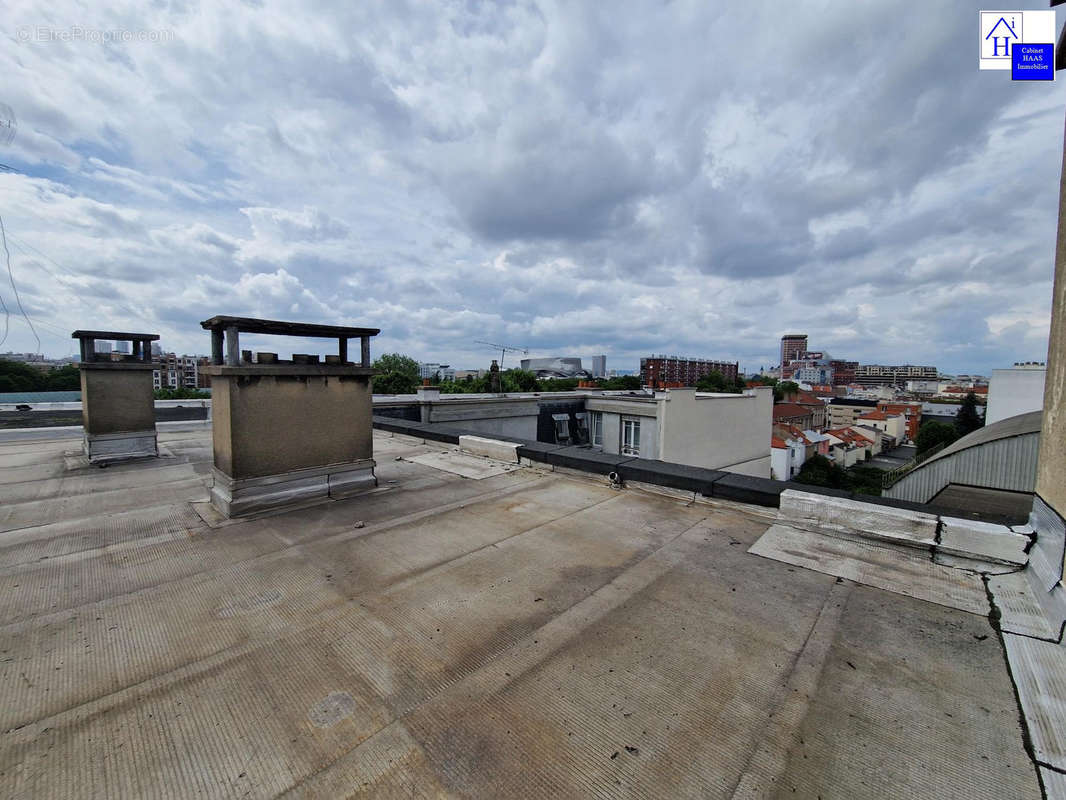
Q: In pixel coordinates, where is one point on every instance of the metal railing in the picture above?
(893, 476)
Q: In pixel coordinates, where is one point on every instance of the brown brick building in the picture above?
(843, 372)
(660, 370)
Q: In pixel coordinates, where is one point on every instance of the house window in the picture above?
(631, 437)
(562, 428)
(581, 428)
(597, 428)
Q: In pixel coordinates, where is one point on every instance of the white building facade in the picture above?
(1014, 391)
(730, 432)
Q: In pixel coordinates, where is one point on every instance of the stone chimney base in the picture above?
(237, 498)
(103, 448)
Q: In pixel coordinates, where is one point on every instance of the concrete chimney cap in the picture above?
(280, 328)
(115, 336)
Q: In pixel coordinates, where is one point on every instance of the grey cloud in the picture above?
(558, 176)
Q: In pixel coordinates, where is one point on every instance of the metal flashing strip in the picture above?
(1054, 782)
(888, 568)
(1021, 611)
(1039, 672)
(1047, 553)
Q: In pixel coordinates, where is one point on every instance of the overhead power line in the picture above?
(11, 275)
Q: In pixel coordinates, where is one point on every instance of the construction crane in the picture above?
(504, 349)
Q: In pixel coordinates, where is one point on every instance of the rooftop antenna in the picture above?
(504, 349)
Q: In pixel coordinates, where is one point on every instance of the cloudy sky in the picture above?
(576, 178)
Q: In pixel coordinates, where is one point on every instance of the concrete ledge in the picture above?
(749, 489)
(420, 430)
(911, 528)
(489, 448)
(825, 491)
(586, 460)
(537, 451)
(434, 434)
(984, 540)
(394, 424)
(672, 476)
(104, 448)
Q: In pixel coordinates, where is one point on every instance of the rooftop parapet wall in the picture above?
(288, 431)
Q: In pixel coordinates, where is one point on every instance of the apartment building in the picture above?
(430, 370)
(661, 370)
(180, 372)
(911, 413)
(843, 411)
(897, 375)
(893, 426)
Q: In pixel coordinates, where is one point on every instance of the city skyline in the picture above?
(589, 180)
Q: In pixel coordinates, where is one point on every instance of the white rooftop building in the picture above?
(1016, 390)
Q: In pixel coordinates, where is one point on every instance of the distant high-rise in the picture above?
(599, 366)
(156, 350)
(102, 346)
(122, 347)
(792, 345)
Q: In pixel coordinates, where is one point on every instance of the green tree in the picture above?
(520, 380)
(783, 389)
(820, 471)
(18, 377)
(558, 385)
(64, 379)
(393, 383)
(397, 374)
(713, 381)
(621, 383)
(182, 393)
(933, 433)
(968, 419)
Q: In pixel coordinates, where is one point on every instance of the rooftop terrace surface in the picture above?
(526, 634)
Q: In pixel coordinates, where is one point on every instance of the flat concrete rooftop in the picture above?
(515, 633)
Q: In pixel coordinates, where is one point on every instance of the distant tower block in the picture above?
(117, 401)
(288, 432)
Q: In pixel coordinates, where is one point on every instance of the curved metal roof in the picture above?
(1020, 425)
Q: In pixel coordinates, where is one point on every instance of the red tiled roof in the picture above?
(849, 436)
(900, 408)
(788, 431)
(789, 410)
(778, 442)
(880, 416)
